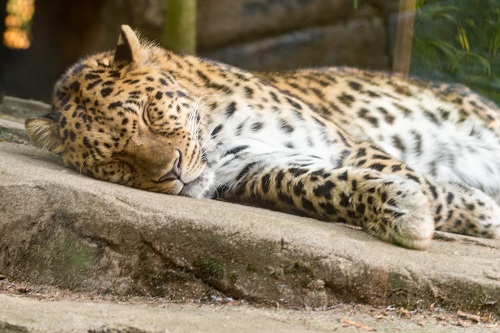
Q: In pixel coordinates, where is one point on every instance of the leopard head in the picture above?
(120, 117)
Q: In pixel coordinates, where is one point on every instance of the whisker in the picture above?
(85, 160)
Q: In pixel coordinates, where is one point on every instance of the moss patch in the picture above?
(72, 261)
(299, 268)
(210, 270)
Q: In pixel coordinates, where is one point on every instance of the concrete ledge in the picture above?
(60, 228)
(18, 108)
(22, 314)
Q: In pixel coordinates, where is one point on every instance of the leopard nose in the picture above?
(175, 172)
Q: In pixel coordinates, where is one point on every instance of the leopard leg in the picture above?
(387, 206)
(469, 211)
(456, 208)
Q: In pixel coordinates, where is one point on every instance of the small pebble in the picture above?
(2, 277)
(22, 290)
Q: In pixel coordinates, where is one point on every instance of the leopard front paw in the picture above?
(403, 215)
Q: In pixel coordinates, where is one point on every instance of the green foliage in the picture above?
(232, 278)
(459, 41)
(299, 267)
(210, 270)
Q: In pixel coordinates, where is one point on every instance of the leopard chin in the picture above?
(201, 187)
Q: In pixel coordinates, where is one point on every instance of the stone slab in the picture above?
(225, 22)
(343, 44)
(21, 314)
(61, 228)
(14, 108)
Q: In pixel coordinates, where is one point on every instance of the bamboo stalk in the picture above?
(404, 37)
(179, 29)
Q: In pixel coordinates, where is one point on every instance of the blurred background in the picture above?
(442, 40)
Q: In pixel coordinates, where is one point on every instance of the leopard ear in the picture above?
(43, 131)
(128, 47)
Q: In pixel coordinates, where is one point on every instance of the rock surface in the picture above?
(250, 20)
(60, 228)
(344, 44)
(21, 314)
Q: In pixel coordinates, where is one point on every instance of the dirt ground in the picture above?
(340, 317)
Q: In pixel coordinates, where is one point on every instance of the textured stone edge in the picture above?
(150, 241)
(308, 269)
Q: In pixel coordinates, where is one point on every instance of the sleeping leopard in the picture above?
(396, 156)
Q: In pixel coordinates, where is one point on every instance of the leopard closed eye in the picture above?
(398, 157)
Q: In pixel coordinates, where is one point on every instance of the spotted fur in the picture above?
(398, 157)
